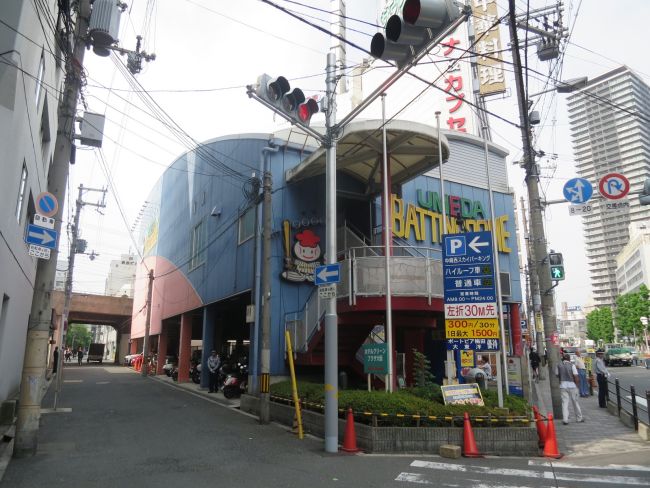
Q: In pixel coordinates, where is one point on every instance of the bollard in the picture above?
(647, 402)
(618, 397)
(635, 413)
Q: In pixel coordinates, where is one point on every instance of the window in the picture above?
(4, 309)
(22, 186)
(197, 251)
(39, 81)
(247, 225)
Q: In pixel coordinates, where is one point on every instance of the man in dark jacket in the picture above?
(80, 355)
(214, 363)
(534, 363)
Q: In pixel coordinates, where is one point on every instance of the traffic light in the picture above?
(292, 103)
(410, 31)
(556, 261)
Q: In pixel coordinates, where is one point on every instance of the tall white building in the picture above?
(31, 76)
(121, 276)
(611, 133)
(633, 262)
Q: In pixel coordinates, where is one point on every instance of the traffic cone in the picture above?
(469, 443)
(350, 438)
(550, 447)
(541, 427)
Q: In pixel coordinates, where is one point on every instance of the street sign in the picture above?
(39, 252)
(472, 328)
(468, 268)
(41, 236)
(330, 273)
(327, 291)
(614, 186)
(616, 206)
(375, 358)
(470, 310)
(577, 190)
(584, 209)
(43, 221)
(47, 204)
(473, 344)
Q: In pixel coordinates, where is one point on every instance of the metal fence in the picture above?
(629, 401)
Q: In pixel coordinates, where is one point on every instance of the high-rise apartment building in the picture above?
(120, 276)
(610, 132)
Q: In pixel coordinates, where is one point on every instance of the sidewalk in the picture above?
(601, 434)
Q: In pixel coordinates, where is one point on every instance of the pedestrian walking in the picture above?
(55, 366)
(80, 355)
(68, 354)
(601, 377)
(569, 380)
(534, 359)
(582, 375)
(214, 363)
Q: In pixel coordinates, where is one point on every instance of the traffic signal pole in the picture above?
(537, 235)
(35, 362)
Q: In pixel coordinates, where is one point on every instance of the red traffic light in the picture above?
(307, 109)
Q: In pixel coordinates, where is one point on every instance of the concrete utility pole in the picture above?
(537, 235)
(144, 370)
(35, 363)
(74, 244)
(265, 363)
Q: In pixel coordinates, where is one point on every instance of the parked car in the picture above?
(571, 351)
(619, 356)
(128, 359)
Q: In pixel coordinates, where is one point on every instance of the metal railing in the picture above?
(628, 401)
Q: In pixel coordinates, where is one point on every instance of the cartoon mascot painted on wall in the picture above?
(300, 266)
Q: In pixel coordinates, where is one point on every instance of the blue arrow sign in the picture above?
(468, 268)
(577, 190)
(330, 273)
(41, 236)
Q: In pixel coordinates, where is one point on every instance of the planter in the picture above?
(495, 441)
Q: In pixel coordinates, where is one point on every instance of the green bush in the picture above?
(407, 402)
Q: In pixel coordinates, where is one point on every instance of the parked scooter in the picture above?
(195, 373)
(236, 382)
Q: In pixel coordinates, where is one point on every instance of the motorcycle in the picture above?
(195, 373)
(236, 382)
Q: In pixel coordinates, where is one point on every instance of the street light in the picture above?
(567, 86)
(644, 321)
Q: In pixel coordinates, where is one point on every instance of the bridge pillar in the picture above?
(185, 348)
(162, 350)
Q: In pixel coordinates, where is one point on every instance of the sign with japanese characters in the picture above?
(472, 328)
(472, 344)
(375, 358)
(467, 394)
(470, 310)
(468, 269)
(488, 47)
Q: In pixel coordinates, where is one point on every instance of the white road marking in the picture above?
(102, 383)
(421, 480)
(639, 400)
(58, 410)
(611, 467)
(619, 480)
(73, 381)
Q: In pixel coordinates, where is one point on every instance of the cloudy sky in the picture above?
(207, 51)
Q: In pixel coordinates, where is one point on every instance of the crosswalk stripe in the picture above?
(620, 480)
(420, 479)
(609, 467)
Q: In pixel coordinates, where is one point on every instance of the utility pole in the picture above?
(144, 370)
(35, 363)
(265, 363)
(74, 250)
(540, 263)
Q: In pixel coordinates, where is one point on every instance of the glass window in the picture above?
(247, 225)
(39, 81)
(22, 186)
(197, 251)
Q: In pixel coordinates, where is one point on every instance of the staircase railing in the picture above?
(304, 323)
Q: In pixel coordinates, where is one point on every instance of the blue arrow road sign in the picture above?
(330, 273)
(468, 268)
(41, 236)
(577, 190)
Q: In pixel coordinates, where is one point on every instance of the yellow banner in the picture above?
(472, 329)
(466, 359)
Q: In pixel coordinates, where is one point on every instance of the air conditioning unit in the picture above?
(104, 25)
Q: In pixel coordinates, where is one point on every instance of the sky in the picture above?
(207, 52)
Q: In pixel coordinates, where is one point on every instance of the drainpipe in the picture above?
(253, 383)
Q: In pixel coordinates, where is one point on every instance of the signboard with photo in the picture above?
(467, 394)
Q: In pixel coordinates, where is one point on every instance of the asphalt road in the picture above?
(632, 375)
(128, 431)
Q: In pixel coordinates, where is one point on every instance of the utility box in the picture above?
(92, 129)
(104, 25)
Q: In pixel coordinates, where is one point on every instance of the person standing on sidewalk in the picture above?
(214, 363)
(582, 375)
(601, 376)
(534, 363)
(568, 375)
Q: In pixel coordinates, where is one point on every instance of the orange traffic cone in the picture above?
(350, 438)
(550, 447)
(469, 443)
(541, 427)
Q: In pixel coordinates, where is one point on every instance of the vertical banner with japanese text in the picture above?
(488, 47)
